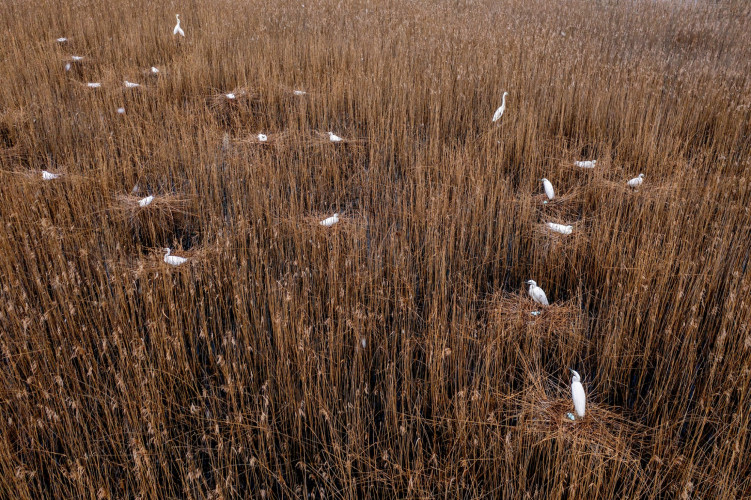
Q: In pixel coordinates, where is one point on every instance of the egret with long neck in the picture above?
(499, 112)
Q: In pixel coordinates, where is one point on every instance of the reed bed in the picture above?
(393, 355)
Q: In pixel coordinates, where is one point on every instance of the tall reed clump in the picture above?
(394, 354)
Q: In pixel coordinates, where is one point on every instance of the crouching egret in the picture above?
(178, 30)
(537, 294)
(330, 221)
(586, 164)
(154, 70)
(173, 260)
(577, 393)
(548, 188)
(48, 176)
(120, 111)
(636, 181)
(262, 138)
(93, 85)
(131, 85)
(77, 58)
(499, 112)
(334, 138)
(144, 202)
(62, 39)
(299, 92)
(230, 96)
(560, 228)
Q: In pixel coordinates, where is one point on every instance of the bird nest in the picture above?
(219, 101)
(272, 139)
(153, 262)
(566, 207)
(514, 313)
(321, 138)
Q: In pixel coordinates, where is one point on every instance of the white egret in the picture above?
(499, 112)
(120, 111)
(537, 294)
(330, 221)
(577, 393)
(77, 58)
(334, 138)
(262, 138)
(230, 96)
(94, 85)
(62, 39)
(636, 181)
(548, 188)
(48, 176)
(178, 30)
(131, 85)
(67, 66)
(560, 228)
(144, 202)
(173, 260)
(586, 164)
(299, 92)
(154, 70)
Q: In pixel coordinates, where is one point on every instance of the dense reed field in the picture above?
(393, 355)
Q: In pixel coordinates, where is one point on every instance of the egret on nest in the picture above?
(77, 58)
(536, 293)
(499, 112)
(262, 138)
(330, 221)
(299, 92)
(48, 176)
(334, 138)
(154, 70)
(120, 111)
(560, 228)
(173, 260)
(230, 95)
(94, 85)
(577, 393)
(131, 85)
(62, 39)
(586, 164)
(636, 181)
(144, 202)
(548, 188)
(67, 67)
(178, 30)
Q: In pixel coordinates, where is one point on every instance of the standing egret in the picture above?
(560, 228)
(577, 393)
(94, 85)
(537, 294)
(548, 188)
(131, 85)
(586, 164)
(636, 181)
(334, 138)
(330, 221)
(173, 260)
(499, 112)
(48, 176)
(262, 138)
(178, 30)
(144, 202)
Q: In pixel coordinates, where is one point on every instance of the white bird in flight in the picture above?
(144, 202)
(178, 30)
(94, 85)
(334, 138)
(48, 176)
(262, 137)
(536, 293)
(560, 228)
(330, 221)
(577, 393)
(173, 260)
(548, 188)
(131, 85)
(636, 181)
(586, 164)
(499, 112)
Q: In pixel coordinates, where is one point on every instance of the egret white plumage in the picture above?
(94, 85)
(67, 66)
(173, 260)
(154, 70)
(48, 176)
(144, 202)
(548, 188)
(636, 181)
(334, 138)
(262, 138)
(537, 294)
(499, 112)
(62, 39)
(577, 393)
(77, 58)
(560, 228)
(178, 30)
(330, 221)
(230, 95)
(586, 164)
(131, 85)
(120, 111)
(299, 92)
